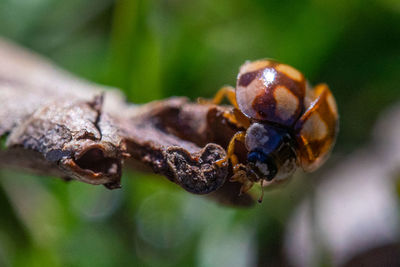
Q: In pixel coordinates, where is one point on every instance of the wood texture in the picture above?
(54, 123)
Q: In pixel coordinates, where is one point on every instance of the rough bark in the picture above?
(54, 123)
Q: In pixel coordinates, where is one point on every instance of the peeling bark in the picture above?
(57, 124)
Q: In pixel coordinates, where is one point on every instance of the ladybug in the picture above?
(284, 122)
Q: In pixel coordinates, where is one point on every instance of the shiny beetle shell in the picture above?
(317, 128)
(268, 91)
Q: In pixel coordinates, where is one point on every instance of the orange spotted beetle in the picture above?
(285, 122)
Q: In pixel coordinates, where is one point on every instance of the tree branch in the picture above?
(54, 123)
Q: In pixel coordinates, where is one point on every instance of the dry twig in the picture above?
(54, 123)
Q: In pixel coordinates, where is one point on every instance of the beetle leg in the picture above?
(230, 154)
(237, 118)
(239, 172)
(246, 186)
(240, 176)
(226, 91)
(234, 116)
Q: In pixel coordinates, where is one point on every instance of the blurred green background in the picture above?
(156, 49)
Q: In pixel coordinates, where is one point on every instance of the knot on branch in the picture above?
(197, 172)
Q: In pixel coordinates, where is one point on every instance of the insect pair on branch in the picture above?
(284, 123)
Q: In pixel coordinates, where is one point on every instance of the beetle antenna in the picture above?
(262, 191)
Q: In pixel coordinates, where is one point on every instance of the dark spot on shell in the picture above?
(265, 103)
(246, 78)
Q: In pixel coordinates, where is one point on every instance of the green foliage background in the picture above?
(156, 49)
